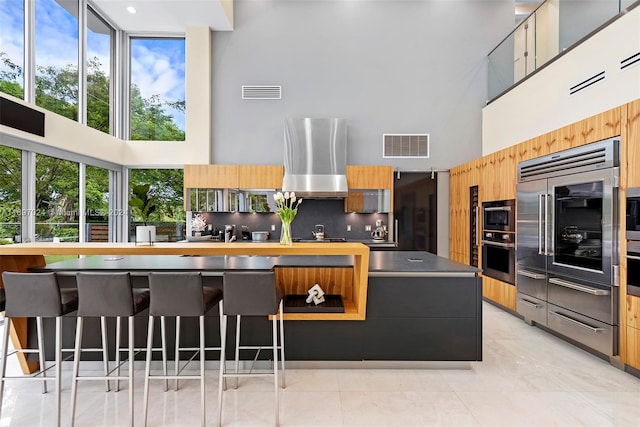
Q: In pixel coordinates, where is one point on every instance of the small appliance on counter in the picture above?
(245, 233)
(380, 233)
(319, 232)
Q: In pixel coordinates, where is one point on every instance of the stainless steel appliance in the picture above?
(633, 213)
(315, 157)
(499, 256)
(567, 243)
(499, 215)
(633, 268)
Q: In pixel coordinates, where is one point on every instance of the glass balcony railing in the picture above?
(553, 27)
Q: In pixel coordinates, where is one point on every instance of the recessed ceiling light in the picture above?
(131, 9)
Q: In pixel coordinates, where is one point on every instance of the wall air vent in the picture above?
(633, 59)
(586, 83)
(405, 145)
(261, 92)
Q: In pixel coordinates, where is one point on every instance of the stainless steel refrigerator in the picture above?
(567, 243)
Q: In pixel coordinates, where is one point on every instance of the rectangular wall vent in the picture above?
(633, 59)
(586, 83)
(405, 145)
(261, 92)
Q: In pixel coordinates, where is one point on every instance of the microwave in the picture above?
(499, 215)
(633, 213)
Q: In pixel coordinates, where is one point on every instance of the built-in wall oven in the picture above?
(633, 244)
(567, 243)
(498, 240)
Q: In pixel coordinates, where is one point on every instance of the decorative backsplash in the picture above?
(328, 212)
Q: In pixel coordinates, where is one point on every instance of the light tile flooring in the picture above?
(528, 378)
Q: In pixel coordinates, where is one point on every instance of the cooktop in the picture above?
(326, 240)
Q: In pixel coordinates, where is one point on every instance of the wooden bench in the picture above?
(98, 232)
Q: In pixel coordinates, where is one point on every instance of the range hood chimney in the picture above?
(315, 157)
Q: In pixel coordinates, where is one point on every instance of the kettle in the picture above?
(319, 233)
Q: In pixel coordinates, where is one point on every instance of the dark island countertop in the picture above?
(381, 264)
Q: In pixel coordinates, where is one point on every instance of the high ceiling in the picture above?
(168, 15)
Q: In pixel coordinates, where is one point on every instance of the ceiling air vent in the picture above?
(633, 59)
(261, 92)
(405, 145)
(585, 84)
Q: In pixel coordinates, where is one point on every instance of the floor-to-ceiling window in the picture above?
(10, 194)
(166, 187)
(56, 204)
(97, 204)
(157, 90)
(12, 48)
(100, 39)
(56, 56)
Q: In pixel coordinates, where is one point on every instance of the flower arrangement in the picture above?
(287, 208)
(198, 223)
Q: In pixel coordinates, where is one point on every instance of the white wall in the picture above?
(400, 66)
(542, 103)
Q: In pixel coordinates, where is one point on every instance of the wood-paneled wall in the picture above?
(497, 181)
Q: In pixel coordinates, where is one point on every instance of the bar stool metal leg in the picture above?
(58, 369)
(147, 370)
(41, 352)
(163, 330)
(76, 367)
(223, 370)
(105, 352)
(118, 338)
(281, 315)
(275, 367)
(202, 382)
(177, 352)
(238, 318)
(131, 363)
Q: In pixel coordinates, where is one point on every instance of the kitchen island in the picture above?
(411, 306)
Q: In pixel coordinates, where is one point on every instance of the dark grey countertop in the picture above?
(415, 263)
(381, 264)
(142, 264)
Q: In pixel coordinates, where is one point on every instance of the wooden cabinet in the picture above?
(233, 176)
(260, 176)
(377, 177)
(499, 292)
(632, 348)
(632, 125)
(370, 189)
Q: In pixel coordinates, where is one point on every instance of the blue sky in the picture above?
(157, 66)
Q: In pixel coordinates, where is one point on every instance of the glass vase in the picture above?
(285, 234)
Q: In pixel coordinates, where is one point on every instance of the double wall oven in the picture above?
(567, 245)
(633, 244)
(498, 240)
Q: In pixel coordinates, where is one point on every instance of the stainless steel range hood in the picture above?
(315, 157)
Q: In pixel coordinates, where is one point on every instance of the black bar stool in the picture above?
(175, 295)
(107, 295)
(250, 293)
(36, 295)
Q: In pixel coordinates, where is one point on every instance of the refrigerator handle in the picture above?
(396, 226)
(546, 224)
(540, 225)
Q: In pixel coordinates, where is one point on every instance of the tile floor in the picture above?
(528, 378)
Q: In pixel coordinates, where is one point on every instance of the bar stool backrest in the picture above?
(104, 294)
(32, 294)
(176, 294)
(250, 293)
